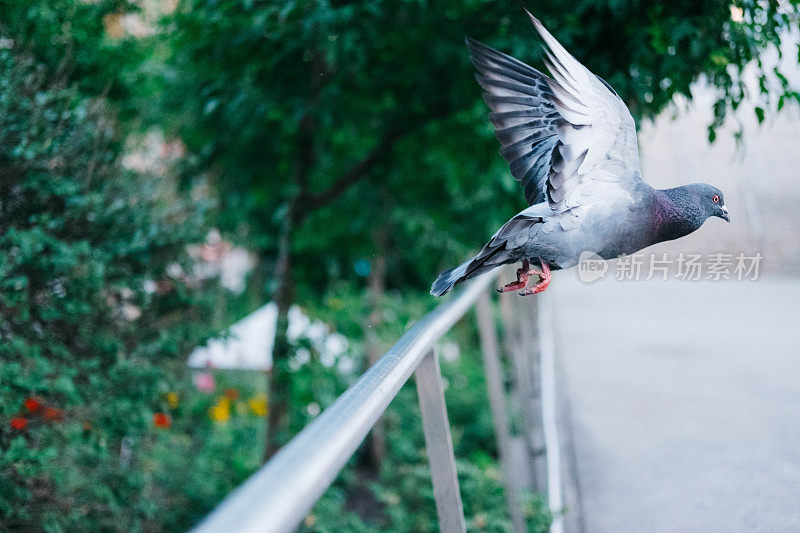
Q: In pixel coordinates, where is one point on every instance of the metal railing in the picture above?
(279, 496)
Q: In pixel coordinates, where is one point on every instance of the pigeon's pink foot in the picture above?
(544, 281)
(523, 274)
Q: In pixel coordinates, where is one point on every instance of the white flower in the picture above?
(131, 312)
(313, 409)
(149, 286)
(174, 270)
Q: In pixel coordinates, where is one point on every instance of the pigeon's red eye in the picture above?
(715, 199)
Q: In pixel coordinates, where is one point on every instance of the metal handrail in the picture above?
(282, 492)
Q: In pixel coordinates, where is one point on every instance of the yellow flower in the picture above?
(258, 405)
(221, 412)
(172, 399)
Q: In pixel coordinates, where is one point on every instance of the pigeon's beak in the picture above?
(724, 216)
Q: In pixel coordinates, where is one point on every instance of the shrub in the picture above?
(95, 310)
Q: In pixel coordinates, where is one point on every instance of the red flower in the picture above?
(232, 394)
(33, 405)
(18, 423)
(51, 413)
(162, 420)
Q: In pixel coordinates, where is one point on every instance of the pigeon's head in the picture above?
(710, 200)
(682, 210)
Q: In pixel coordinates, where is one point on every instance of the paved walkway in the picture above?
(685, 402)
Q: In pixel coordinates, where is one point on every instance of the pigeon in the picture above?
(571, 142)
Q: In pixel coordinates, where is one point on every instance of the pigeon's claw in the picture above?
(523, 274)
(536, 289)
(513, 286)
(544, 282)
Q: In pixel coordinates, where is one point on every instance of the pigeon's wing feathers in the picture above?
(597, 152)
(569, 139)
(523, 113)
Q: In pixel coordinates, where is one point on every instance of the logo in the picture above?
(591, 267)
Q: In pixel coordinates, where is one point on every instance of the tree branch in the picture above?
(359, 171)
(356, 173)
(320, 75)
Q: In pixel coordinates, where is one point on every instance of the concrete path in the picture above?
(685, 402)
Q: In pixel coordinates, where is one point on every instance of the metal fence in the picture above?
(278, 497)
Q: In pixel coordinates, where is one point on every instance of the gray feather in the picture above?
(523, 114)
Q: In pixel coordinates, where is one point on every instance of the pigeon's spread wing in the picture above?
(569, 139)
(523, 113)
(596, 155)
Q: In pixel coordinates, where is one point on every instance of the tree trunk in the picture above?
(279, 385)
(376, 285)
(301, 205)
(278, 377)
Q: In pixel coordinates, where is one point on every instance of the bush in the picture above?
(96, 312)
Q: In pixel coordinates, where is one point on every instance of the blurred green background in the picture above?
(345, 147)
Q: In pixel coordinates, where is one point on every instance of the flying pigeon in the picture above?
(571, 142)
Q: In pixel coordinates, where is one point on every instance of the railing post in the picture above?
(547, 376)
(439, 445)
(521, 316)
(490, 351)
(531, 340)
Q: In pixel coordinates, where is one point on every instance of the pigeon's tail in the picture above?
(495, 253)
(448, 278)
(462, 272)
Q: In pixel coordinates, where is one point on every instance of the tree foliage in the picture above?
(351, 104)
